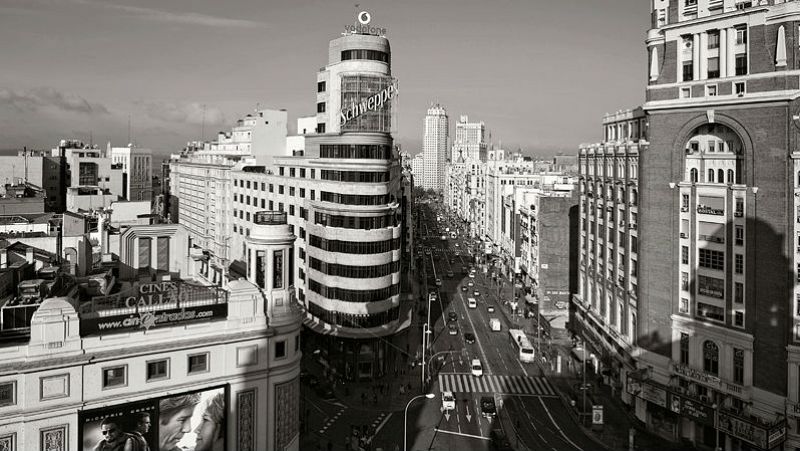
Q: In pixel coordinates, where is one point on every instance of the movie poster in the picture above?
(185, 422)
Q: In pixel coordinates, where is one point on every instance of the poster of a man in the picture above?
(118, 428)
(174, 420)
(114, 439)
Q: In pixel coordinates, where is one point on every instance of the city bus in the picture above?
(521, 342)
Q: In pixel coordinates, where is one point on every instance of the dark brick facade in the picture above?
(765, 132)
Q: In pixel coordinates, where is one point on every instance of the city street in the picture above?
(525, 402)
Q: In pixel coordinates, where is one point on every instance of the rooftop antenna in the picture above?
(91, 143)
(129, 128)
(203, 125)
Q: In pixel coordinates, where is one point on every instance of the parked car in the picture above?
(476, 293)
(490, 308)
(452, 316)
(452, 329)
(438, 282)
(464, 288)
(470, 283)
(488, 408)
(449, 274)
(469, 337)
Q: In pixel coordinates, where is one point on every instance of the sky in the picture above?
(540, 74)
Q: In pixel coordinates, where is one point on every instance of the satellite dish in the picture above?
(364, 17)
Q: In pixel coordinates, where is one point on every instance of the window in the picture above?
(738, 293)
(685, 255)
(738, 89)
(116, 376)
(711, 357)
(320, 107)
(262, 203)
(690, 3)
(684, 306)
(713, 68)
(688, 71)
(198, 363)
(741, 35)
(709, 311)
(685, 281)
(281, 172)
(711, 90)
(280, 189)
(685, 93)
(739, 264)
(738, 318)
(157, 369)
(312, 193)
(87, 174)
(291, 190)
(713, 39)
(684, 349)
(711, 286)
(291, 172)
(365, 54)
(280, 349)
(738, 366)
(710, 176)
(711, 259)
(248, 184)
(271, 188)
(320, 86)
(302, 192)
(741, 65)
(302, 172)
(8, 393)
(321, 127)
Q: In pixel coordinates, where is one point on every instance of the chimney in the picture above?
(29, 255)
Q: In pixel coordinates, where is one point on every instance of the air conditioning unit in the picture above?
(684, 209)
(633, 226)
(683, 235)
(739, 214)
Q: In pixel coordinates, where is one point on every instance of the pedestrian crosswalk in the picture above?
(511, 385)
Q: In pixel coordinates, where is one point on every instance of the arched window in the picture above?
(622, 194)
(720, 176)
(724, 144)
(730, 176)
(711, 357)
(710, 176)
(693, 173)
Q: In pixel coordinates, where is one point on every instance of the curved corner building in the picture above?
(354, 226)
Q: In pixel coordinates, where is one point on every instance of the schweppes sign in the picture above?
(371, 103)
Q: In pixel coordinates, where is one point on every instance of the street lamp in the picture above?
(405, 418)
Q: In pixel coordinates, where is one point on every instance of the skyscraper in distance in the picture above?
(434, 147)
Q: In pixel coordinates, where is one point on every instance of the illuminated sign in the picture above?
(371, 103)
(363, 27)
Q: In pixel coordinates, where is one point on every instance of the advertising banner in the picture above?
(743, 430)
(189, 421)
(149, 305)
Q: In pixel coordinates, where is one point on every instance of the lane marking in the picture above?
(558, 428)
(383, 423)
(444, 431)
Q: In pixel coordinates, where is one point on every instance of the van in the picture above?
(477, 368)
(472, 303)
(494, 324)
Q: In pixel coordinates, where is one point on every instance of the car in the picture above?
(476, 293)
(499, 440)
(452, 316)
(428, 253)
(477, 368)
(456, 244)
(452, 329)
(472, 303)
(472, 274)
(490, 308)
(464, 289)
(488, 408)
(438, 282)
(469, 337)
(470, 284)
(448, 400)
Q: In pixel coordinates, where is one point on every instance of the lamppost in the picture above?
(405, 418)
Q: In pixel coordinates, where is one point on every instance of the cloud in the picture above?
(40, 98)
(188, 113)
(186, 18)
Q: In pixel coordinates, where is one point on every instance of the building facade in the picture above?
(434, 147)
(137, 171)
(606, 302)
(344, 197)
(469, 142)
(151, 351)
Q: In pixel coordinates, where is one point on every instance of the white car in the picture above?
(470, 284)
(477, 368)
(472, 303)
(448, 400)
